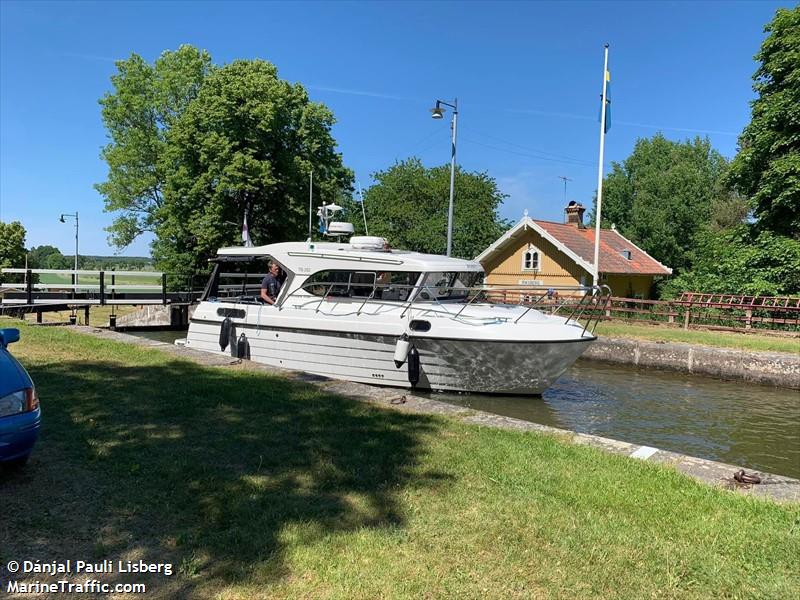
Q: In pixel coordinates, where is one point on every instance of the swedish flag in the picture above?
(608, 104)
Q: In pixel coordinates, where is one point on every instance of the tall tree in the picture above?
(408, 205)
(47, 257)
(12, 246)
(767, 167)
(247, 142)
(662, 195)
(146, 103)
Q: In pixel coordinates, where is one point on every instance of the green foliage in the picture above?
(120, 263)
(248, 142)
(195, 145)
(47, 257)
(12, 245)
(146, 103)
(741, 261)
(662, 195)
(408, 206)
(767, 168)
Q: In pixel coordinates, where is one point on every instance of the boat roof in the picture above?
(332, 255)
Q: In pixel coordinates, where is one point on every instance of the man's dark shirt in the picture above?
(272, 285)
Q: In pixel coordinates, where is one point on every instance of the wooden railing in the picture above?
(710, 311)
(102, 286)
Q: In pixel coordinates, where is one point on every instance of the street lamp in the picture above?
(437, 112)
(75, 216)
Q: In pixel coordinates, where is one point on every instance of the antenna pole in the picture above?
(310, 201)
(363, 210)
(566, 179)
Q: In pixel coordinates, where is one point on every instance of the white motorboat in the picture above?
(361, 312)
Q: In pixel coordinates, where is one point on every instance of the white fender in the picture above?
(401, 350)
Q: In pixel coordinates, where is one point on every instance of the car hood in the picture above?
(12, 376)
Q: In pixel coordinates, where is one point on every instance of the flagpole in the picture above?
(598, 212)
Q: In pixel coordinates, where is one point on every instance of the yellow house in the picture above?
(535, 252)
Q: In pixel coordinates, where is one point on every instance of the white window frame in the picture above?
(532, 251)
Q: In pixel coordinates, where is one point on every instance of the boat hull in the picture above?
(456, 365)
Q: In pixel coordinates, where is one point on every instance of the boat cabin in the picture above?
(359, 270)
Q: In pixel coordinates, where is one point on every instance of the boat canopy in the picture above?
(310, 257)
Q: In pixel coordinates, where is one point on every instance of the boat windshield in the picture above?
(450, 285)
(381, 285)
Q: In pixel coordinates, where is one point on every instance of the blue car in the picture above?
(20, 415)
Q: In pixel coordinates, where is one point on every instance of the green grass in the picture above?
(723, 339)
(145, 279)
(259, 487)
(128, 280)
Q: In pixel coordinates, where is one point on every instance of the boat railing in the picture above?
(586, 304)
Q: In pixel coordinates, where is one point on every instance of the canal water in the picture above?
(754, 426)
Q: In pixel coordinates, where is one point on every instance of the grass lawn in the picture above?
(257, 487)
(723, 339)
(98, 315)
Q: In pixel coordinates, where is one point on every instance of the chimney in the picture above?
(574, 214)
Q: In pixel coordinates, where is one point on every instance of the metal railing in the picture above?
(583, 302)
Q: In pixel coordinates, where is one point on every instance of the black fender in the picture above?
(225, 333)
(413, 366)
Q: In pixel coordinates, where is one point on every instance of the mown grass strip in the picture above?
(720, 339)
(259, 487)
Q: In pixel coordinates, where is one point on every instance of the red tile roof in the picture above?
(612, 244)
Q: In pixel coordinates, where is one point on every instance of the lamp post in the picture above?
(75, 216)
(437, 112)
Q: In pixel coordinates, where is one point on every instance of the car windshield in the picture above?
(450, 285)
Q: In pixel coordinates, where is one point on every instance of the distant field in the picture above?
(145, 279)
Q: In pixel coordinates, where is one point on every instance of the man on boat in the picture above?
(271, 285)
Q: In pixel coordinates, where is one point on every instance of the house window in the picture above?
(626, 254)
(530, 260)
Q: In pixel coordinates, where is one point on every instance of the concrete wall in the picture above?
(151, 316)
(774, 368)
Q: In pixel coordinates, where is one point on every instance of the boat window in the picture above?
(384, 285)
(417, 325)
(362, 284)
(450, 286)
(396, 285)
(240, 281)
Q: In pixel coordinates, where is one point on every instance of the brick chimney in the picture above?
(574, 214)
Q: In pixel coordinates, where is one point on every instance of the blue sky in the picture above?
(527, 77)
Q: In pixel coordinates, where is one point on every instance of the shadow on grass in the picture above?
(220, 469)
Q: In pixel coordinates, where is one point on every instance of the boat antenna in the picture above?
(310, 201)
(363, 212)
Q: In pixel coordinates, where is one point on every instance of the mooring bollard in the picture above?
(112, 322)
